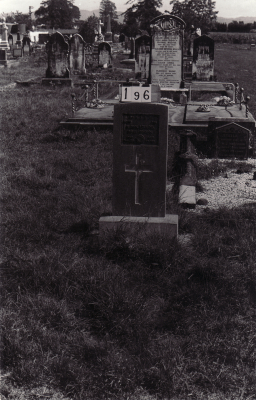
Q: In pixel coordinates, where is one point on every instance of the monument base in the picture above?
(57, 82)
(187, 196)
(167, 226)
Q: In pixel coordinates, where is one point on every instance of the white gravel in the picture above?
(230, 189)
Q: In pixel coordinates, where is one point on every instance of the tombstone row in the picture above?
(159, 57)
(72, 57)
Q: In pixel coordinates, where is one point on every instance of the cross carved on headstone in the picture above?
(137, 169)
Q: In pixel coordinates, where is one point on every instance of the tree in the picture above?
(57, 13)
(19, 18)
(138, 15)
(197, 13)
(107, 8)
(88, 29)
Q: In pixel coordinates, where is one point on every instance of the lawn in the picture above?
(140, 319)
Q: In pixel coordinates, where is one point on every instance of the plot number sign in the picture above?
(136, 94)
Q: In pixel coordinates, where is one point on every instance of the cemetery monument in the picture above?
(142, 57)
(77, 55)
(167, 51)
(203, 58)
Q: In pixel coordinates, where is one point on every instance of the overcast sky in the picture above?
(226, 8)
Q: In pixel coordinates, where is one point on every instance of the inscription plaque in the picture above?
(140, 129)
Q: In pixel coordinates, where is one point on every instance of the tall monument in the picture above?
(108, 34)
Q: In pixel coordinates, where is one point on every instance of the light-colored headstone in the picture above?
(203, 58)
(142, 57)
(104, 51)
(167, 51)
(77, 55)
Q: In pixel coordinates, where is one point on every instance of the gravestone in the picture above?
(18, 41)
(140, 169)
(229, 139)
(167, 51)
(104, 51)
(77, 55)
(57, 50)
(3, 57)
(89, 59)
(17, 52)
(203, 58)
(142, 57)
(10, 40)
(26, 41)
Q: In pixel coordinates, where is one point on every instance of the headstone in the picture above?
(229, 140)
(167, 51)
(140, 169)
(18, 41)
(57, 50)
(203, 58)
(139, 159)
(99, 36)
(142, 57)
(10, 40)
(104, 50)
(108, 34)
(3, 57)
(43, 38)
(26, 41)
(89, 59)
(17, 52)
(77, 55)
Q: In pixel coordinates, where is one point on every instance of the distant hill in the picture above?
(85, 14)
(247, 20)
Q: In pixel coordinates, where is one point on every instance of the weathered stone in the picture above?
(142, 57)
(57, 49)
(104, 51)
(203, 59)
(77, 55)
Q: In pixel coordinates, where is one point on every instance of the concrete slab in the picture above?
(167, 226)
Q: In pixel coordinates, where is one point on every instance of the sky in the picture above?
(226, 8)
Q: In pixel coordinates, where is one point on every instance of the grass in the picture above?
(135, 319)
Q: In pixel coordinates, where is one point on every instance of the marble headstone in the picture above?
(167, 51)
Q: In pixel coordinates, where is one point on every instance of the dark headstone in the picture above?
(167, 51)
(57, 49)
(10, 40)
(43, 38)
(104, 51)
(89, 58)
(140, 154)
(3, 57)
(142, 57)
(228, 140)
(77, 55)
(26, 41)
(203, 58)
(108, 34)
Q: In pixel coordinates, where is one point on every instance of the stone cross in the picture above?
(138, 168)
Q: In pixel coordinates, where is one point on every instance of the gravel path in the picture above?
(229, 190)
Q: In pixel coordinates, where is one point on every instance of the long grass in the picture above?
(138, 318)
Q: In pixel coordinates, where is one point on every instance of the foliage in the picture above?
(197, 13)
(88, 29)
(19, 18)
(221, 27)
(57, 13)
(107, 8)
(235, 26)
(139, 15)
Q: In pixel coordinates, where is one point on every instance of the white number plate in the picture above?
(136, 94)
